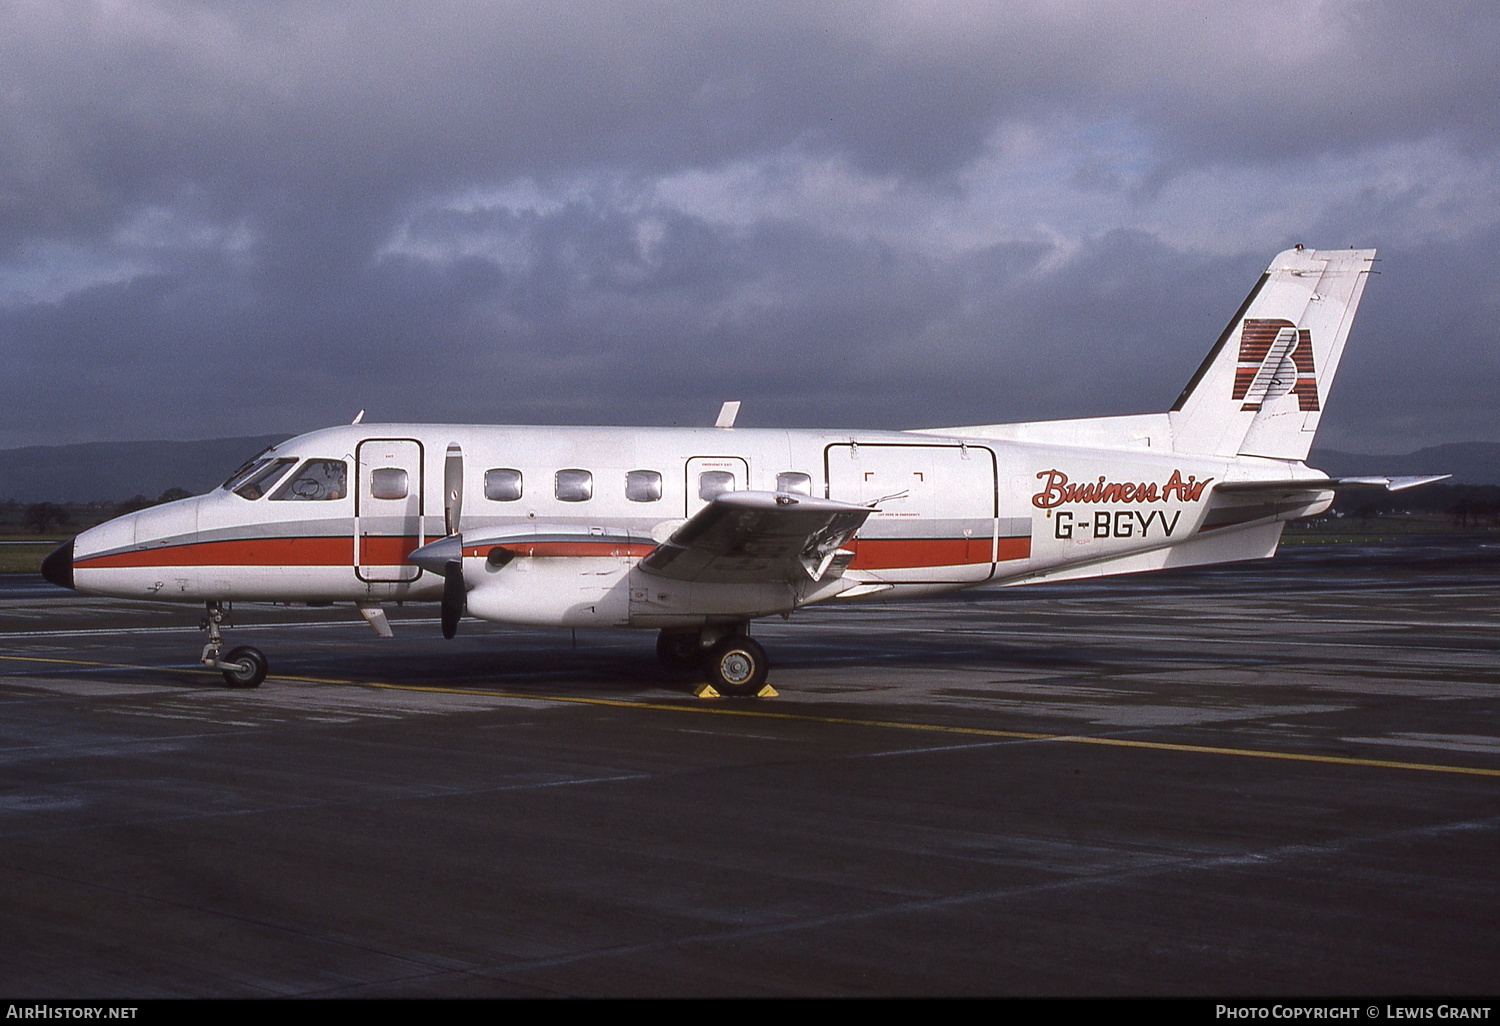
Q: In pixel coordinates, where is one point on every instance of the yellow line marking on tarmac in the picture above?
(767, 714)
(1009, 735)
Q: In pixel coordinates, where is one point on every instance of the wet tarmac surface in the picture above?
(1279, 778)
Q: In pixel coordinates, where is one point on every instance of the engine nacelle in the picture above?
(551, 591)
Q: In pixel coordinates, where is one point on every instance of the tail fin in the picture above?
(1260, 392)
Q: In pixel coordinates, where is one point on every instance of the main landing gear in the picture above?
(243, 667)
(734, 663)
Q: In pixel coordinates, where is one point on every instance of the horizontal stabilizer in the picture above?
(1390, 484)
(1326, 484)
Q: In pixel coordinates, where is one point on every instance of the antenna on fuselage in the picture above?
(727, 413)
(358, 417)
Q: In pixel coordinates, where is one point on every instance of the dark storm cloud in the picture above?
(222, 217)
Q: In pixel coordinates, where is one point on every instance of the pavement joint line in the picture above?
(911, 725)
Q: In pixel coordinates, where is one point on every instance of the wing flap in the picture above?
(759, 537)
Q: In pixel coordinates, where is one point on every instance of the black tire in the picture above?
(737, 667)
(252, 667)
(679, 651)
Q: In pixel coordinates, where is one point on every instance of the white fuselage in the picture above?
(952, 512)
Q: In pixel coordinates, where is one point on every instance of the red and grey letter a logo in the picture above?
(1276, 357)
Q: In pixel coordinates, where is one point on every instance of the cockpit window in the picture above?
(317, 481)
(245, 469)
(258, 478)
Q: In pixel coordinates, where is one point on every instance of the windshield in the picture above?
(257, 479)
(247, 468)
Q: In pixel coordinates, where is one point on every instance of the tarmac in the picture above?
(1279, 778)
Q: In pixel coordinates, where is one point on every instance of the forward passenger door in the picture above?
(388, 508)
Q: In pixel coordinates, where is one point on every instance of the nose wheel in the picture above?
(243, 667)
(249, 667)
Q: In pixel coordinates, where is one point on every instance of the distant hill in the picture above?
(1470, 463)
(112, 471)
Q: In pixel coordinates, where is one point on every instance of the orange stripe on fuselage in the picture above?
(900, 553)
(869, 553)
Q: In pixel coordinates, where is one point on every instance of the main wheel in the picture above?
(251, 670)
(679, 650)
(737, 667)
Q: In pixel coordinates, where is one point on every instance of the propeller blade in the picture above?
(453, 597)
(453, 489)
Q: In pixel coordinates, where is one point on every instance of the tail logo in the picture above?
(1276, 357)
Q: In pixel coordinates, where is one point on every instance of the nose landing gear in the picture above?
(243, 667)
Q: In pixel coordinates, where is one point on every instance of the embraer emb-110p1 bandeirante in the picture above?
(697, 532)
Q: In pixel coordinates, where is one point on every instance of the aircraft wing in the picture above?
(758, 537)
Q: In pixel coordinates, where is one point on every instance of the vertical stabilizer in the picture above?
(1261, 390)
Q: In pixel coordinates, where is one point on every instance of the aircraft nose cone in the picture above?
(58, 566)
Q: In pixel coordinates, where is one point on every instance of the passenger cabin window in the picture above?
(794, 484)
(258, 480)
(643, 486)
(388, 483)
(712, 482)
(575, 485)
(502, 485)
(317, 481)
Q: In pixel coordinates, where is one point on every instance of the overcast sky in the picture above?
(224, 218)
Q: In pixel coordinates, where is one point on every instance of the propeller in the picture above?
(454, 592)
(454, 595)
(453, 488)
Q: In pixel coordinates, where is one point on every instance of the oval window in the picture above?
(502, 485)
(643, 486)
(575, 485)
(388, 483)
(794, 484)
(712, 482)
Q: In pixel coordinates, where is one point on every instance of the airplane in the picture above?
(697, 532)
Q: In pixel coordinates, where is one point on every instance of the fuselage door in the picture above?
(936, 516)
(388, 508)
(707, 476)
